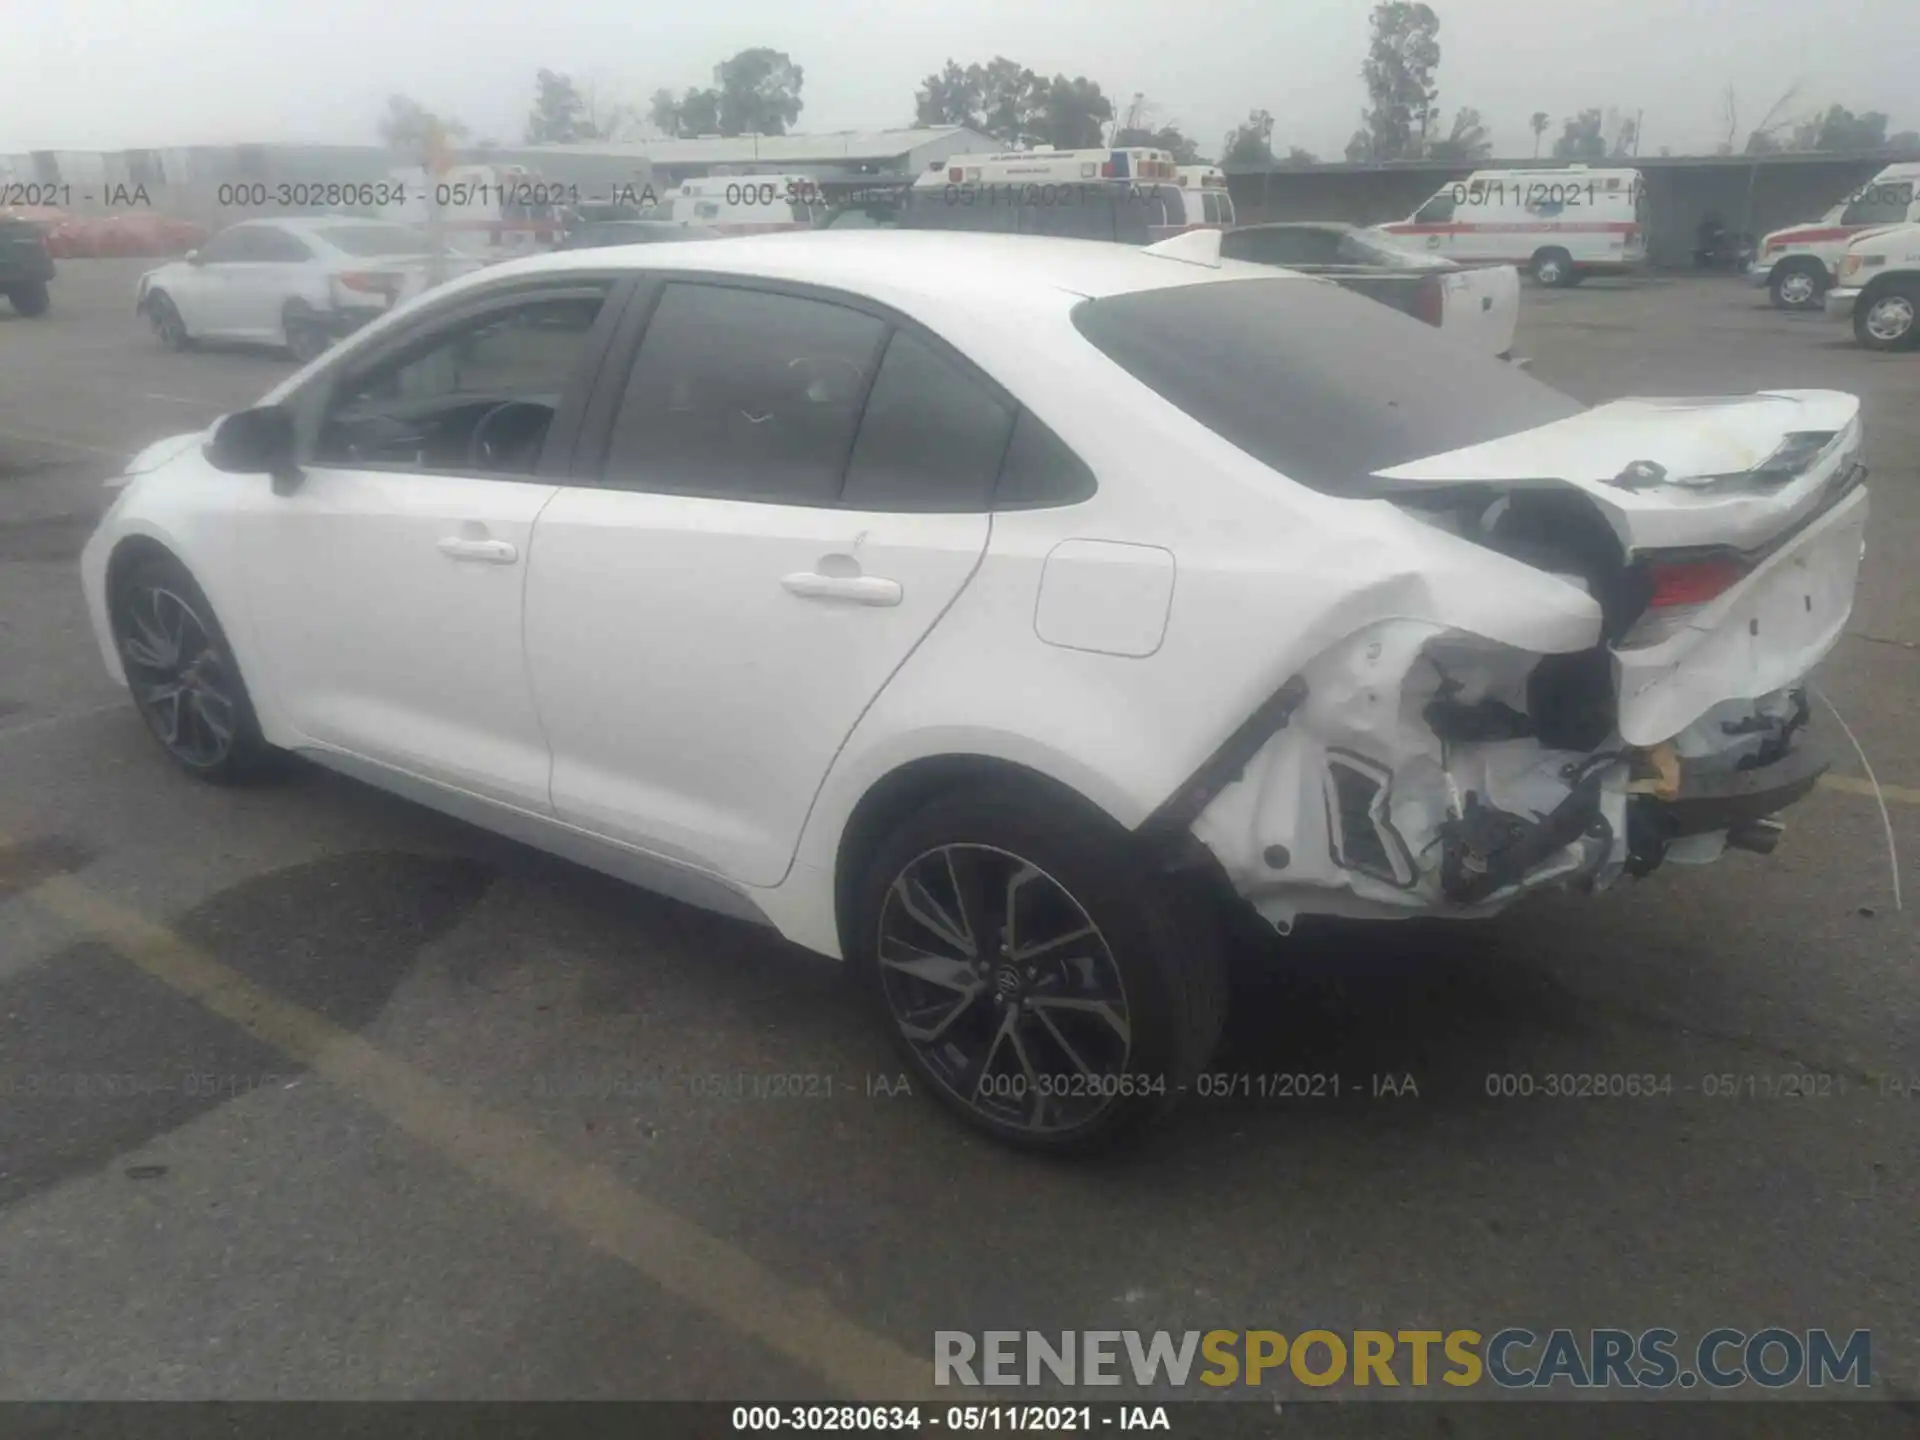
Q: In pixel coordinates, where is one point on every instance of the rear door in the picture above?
(778, 496)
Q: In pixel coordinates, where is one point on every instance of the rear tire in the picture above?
(1552, 268)
(1041, 977)
(1888, 317)
(1799, 285)
(183, 676)
(30, 299)
(306, 338)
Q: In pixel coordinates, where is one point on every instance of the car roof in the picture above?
(921, 270)
(318, 224)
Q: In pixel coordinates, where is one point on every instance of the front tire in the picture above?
(168, 326)
(1889, 317)
(1039, 975)
(182, 674)
(1798, 287)
(30, 299)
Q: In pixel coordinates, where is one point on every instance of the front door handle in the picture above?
(487, 552)
(861, 589)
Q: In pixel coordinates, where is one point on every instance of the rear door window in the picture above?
(744, 394)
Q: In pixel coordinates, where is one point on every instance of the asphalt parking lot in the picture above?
(305, 1092)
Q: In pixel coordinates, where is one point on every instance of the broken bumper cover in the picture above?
(1343, 800)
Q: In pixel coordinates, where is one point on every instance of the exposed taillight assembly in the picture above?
(369, 283)
(1692, 582)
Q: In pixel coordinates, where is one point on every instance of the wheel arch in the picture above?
(897, 793)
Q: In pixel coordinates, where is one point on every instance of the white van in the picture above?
(748, 204)
(1200, 200)
(1561, 224)
(1797, 265)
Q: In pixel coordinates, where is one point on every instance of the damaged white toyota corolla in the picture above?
(996, 613)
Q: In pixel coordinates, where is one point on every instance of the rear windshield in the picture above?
(1322, 385)
(377, 239)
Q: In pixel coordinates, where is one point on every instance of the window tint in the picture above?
(1226, 209)
(267, 243)
(1323, 385)
(1295, 245)
(1210, 209)
(746, 394)
(1040, 469)
(227, 245)
(1437, 211)
(377, 239)
(422, 408)
(932, 437)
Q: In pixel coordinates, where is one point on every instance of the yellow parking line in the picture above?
(701, 1269)
(1848, 785)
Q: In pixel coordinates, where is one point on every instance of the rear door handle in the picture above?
(487, 552)
(861, 589)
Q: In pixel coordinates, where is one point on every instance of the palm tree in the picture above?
(1539, 124)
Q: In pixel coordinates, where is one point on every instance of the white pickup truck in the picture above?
(1878, 286)
(1476, 305)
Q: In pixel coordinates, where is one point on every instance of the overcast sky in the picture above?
(115, 74)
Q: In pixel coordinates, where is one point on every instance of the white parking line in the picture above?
(49, 722)
(36, 437)
(181, 400)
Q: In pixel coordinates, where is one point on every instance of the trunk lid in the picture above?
(1741, 518)
(1731, 471)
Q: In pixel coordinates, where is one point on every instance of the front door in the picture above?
(794, 491)
(387, 587)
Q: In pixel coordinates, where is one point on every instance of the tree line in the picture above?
(758, 91)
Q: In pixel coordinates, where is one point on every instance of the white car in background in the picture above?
(998, 613)
(298, 283)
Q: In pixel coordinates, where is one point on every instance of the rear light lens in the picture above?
(1691, 582)
(1429, 301)
(1774, 247)
(956, 174)
(369, 283)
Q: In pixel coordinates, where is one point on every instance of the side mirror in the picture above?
(255, 442)
(192, 257)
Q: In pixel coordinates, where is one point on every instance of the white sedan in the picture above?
(998, 614)
(298, 283)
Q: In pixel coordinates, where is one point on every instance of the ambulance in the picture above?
(1129, 194)
(1560, 224)
(1798, 265)
(748, 204)
(1201, 199)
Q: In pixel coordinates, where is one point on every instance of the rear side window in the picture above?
(1040, 470)
(744, 394)
(1322, 385)
(932, 437)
